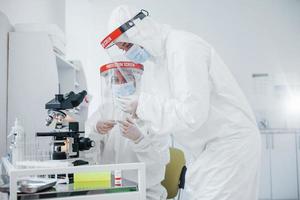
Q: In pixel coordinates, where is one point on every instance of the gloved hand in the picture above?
(130, 130)
(103, 127)
(128, 104)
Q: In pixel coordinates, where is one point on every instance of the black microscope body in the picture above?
(67, 141)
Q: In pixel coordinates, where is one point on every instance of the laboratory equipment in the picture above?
(118, 178)
(67, 144)
(33, 185)
(130, 190)
(60, 103)
(17, 143)
(27, 185)
(67, 141)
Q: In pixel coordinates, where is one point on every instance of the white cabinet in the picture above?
(284, 166)
(298, 160)
(265, 177)
(279, 169)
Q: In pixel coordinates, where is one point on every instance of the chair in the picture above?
(175, 174)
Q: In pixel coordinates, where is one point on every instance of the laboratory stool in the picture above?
(175, 174)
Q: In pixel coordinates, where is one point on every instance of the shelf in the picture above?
(67, 190)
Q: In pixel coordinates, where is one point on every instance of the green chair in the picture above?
(175, 174)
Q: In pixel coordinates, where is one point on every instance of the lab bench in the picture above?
(129, 190)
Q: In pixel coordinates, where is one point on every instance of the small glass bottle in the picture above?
(118, 178)
(17, 145)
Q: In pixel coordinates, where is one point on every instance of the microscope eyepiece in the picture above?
(78, 98)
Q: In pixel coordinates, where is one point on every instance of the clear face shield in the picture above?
(117, 44)
(118, 79)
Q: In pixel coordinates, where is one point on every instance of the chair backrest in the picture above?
(173, 171)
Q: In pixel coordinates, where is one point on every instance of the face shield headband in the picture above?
(134, 68)
(108, 40)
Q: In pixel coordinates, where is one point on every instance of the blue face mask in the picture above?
(137, 54)
(124, 89)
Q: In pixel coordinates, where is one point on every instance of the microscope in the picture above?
(67, 141)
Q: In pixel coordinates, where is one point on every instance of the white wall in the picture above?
(35, 11)
(79, 39)
(251, 36)
(84, 32)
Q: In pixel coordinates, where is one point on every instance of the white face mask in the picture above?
(137, 54)
(124, 89)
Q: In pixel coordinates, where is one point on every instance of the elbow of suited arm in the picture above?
(196, 123)
(194, 114)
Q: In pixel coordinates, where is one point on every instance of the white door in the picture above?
(298, 161)
(265, 177)
(284, 166)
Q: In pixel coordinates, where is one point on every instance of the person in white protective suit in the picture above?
(189, 92)
(127, 141)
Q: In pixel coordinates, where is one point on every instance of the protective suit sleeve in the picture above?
(154, 152)
(187, 109)
(90, 126)
(94, 154)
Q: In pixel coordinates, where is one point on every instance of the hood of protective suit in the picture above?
(147, 32)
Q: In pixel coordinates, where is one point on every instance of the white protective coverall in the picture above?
(114, 148)
(189, 92)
